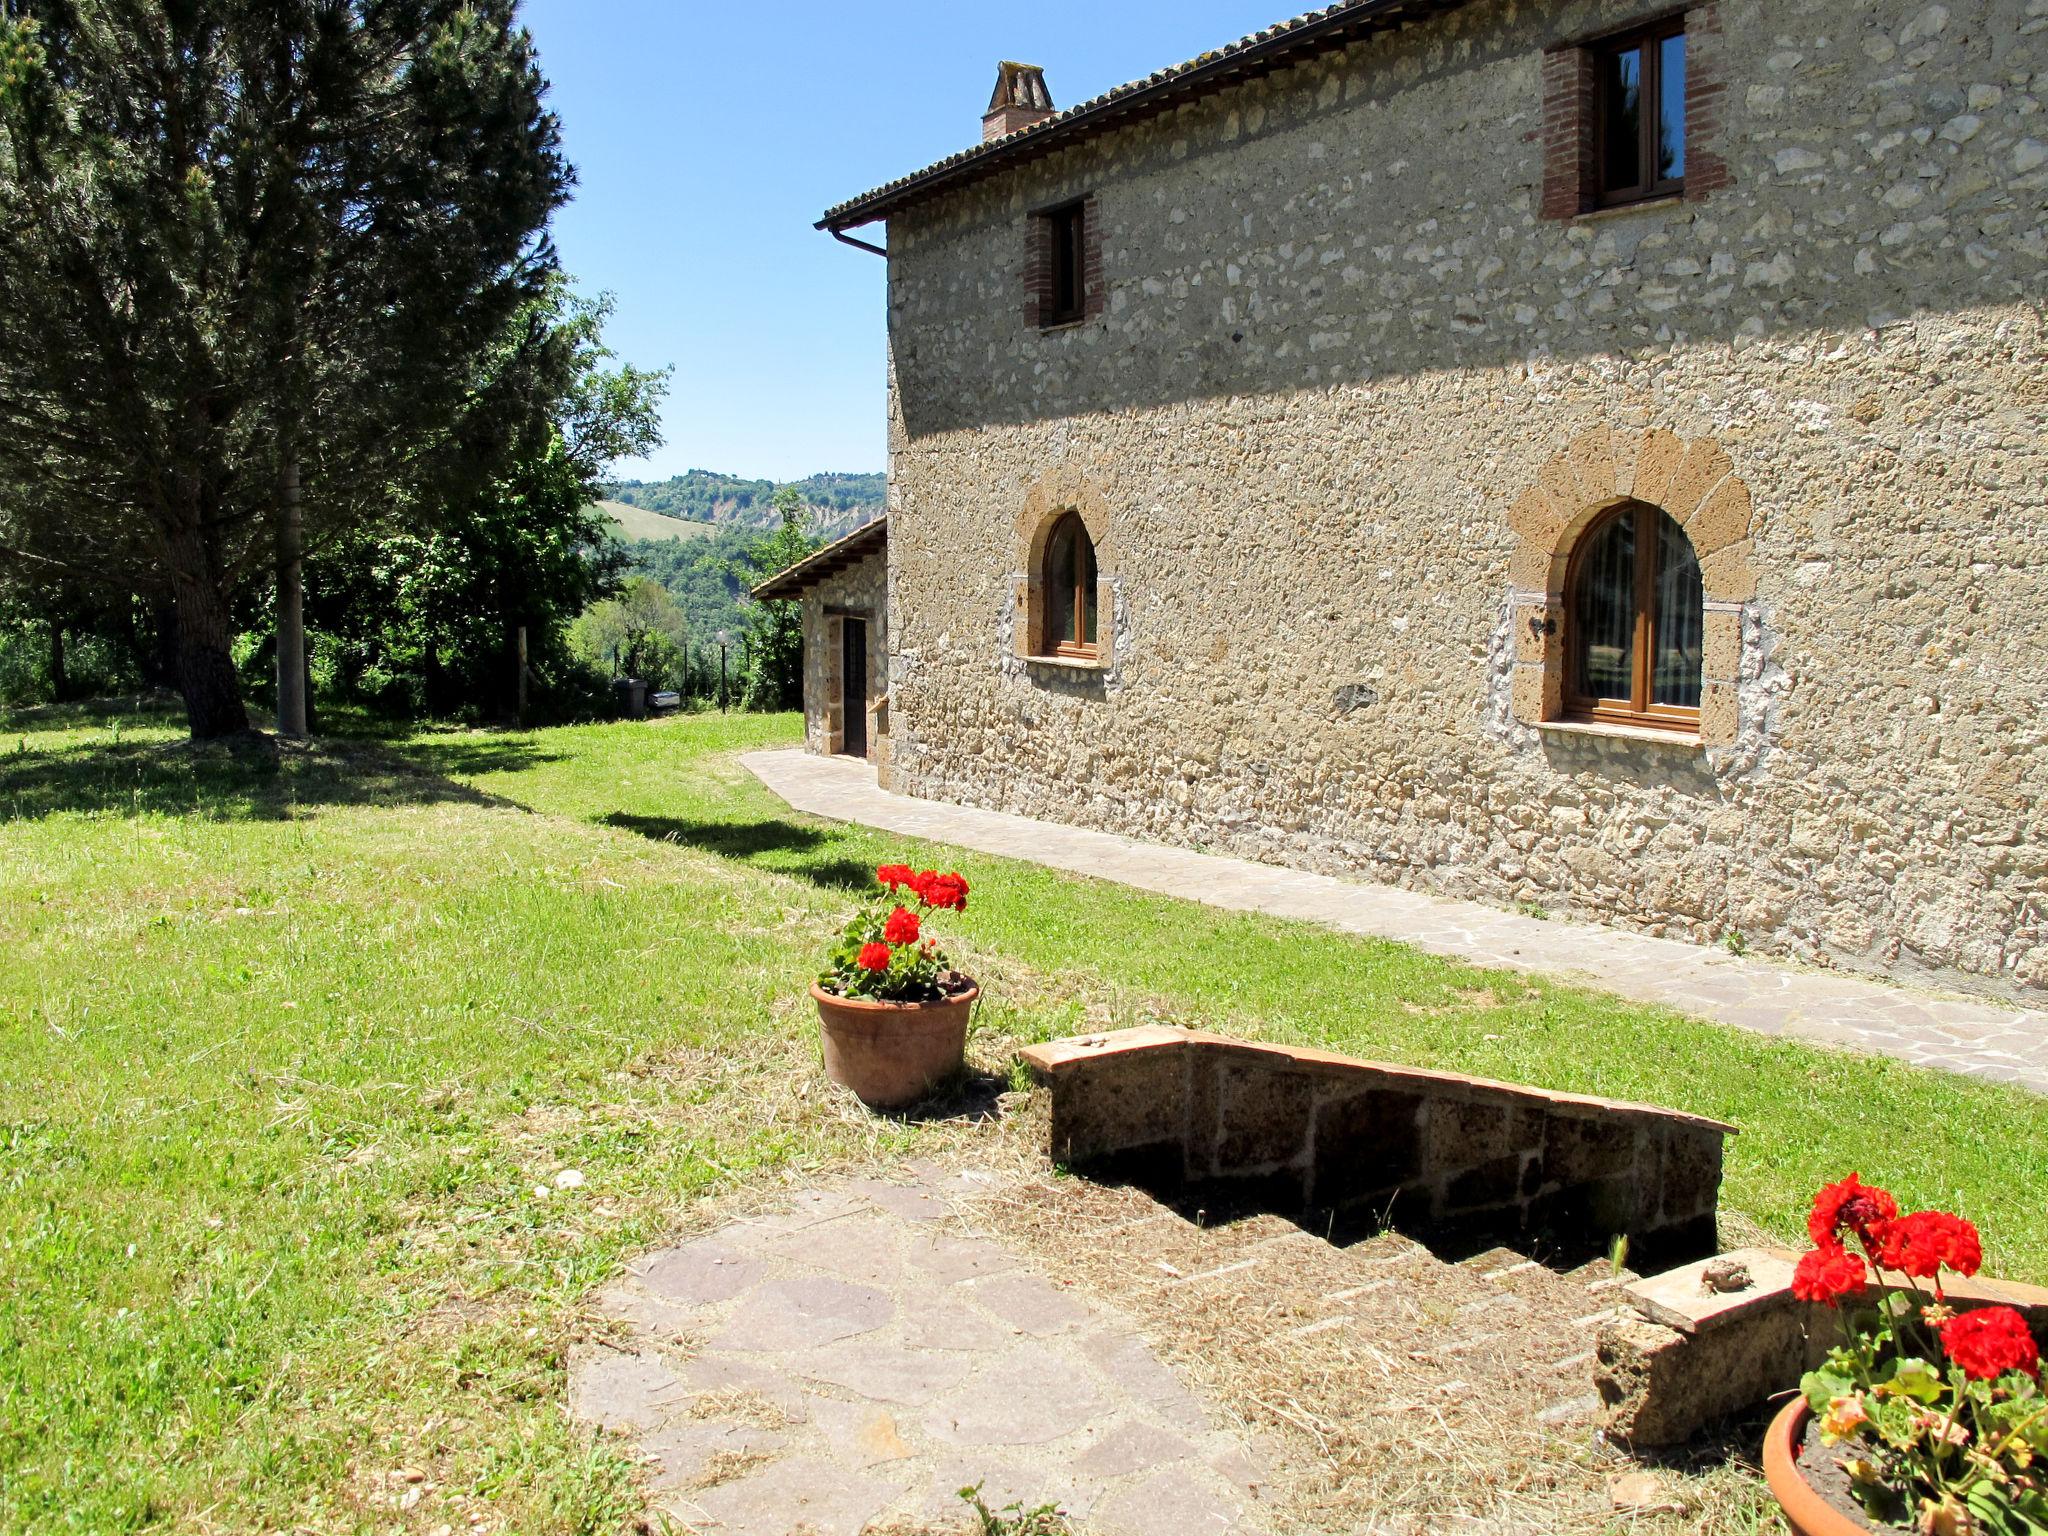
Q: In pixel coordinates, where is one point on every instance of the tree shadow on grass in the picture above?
(246, 778)
(480, 753)
(781, 846)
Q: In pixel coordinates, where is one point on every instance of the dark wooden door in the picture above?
(853, 685)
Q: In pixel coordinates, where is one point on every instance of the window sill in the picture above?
(1049, 327)
(1068, 663)
(1640, 205)
(1683, 741)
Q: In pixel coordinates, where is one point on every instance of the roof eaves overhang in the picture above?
(1275, 48)
(793, 580)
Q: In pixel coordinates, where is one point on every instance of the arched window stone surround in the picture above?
(1693, 481)
(1057, 492)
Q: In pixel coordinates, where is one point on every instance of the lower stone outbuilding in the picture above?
(844, 591)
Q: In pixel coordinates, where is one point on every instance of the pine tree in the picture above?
(259, 242)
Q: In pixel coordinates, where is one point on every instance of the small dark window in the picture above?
(1067, 289)
(1639, 121)
(1070, 592)
(1636, 621)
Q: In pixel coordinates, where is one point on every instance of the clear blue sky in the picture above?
(710, 136)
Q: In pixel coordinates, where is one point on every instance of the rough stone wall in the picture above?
(1341, 344)
(859, 590)
(1308, 1133)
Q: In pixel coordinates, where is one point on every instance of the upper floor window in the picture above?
(1639, 80)
(1065, 268)
(1068, 583)
(1634, 610)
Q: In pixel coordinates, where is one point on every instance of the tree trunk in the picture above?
(291, 609)
(60, 681)
(204, 639)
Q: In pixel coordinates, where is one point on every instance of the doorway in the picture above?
(853, 685)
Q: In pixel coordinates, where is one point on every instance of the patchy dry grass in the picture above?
(295, 1049)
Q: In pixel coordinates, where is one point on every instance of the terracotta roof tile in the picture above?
(1313, 32)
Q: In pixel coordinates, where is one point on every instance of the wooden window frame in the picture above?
(1649, 39)
(1066, 246)
(1080, 590)
(1637, 710)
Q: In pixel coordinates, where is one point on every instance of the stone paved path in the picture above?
(849, 1363)
(1977, 1038)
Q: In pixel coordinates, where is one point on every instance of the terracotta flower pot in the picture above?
(892, 1053)
(1806, 1512)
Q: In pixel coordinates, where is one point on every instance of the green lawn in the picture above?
(285, 1054)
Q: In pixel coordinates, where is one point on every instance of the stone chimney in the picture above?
(1020, 100)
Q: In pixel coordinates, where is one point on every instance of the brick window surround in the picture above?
(1041, 228)
(1696, 484)
(1571, 106)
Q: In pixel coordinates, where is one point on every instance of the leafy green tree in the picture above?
(264, 243)
(775, 630)
(640, 633)
(427, 606)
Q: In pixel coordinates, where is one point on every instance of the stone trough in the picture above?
(1336, 1140)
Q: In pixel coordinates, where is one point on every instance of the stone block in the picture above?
(1705, 465)
(1691, 1175)
(1720, 520)
(1592, 459)
(1365, 1142)
(1662, 1387)
(1537, 631)
(1538, 693)
(1659, 454)
(1491, 1184)
(1727, 575)
(1262, 1118)
(1721, 652)
(1577, 1149)
(1720, 714)
(1535, 567)
(1466, 1133)
(1536, 518)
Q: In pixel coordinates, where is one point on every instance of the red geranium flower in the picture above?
(893, 875)
(1926, 1242)
(947, 891)
(874, 957)
(902, 927)
(1852, 1204)
(921, 884)
(1989, 1342)
(1827, 1275)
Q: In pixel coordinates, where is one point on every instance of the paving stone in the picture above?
(1173, 1502)
(865, 1247)
(885, 1371)
(1029, 1304)
(1026, 1397)
(698, 1273)
(1004, 1483)
(952, 1259)
(859, 1434)
(946, 1324)
(685, 1450)
(803, 1313)
(621, 1390)
(1132, 1368)
(649, 1316)
(798, 1493)
(1128, 1448)
(735, 1373)
(912, 1202)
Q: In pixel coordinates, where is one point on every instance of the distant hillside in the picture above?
(636, 523)
(835, 504)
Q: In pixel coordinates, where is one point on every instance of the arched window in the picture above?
(1634, 617)
(1067, 581)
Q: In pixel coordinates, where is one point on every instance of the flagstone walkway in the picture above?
(1974, 1037)
(849, 1364)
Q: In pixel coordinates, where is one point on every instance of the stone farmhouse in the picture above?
(1586, 454)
